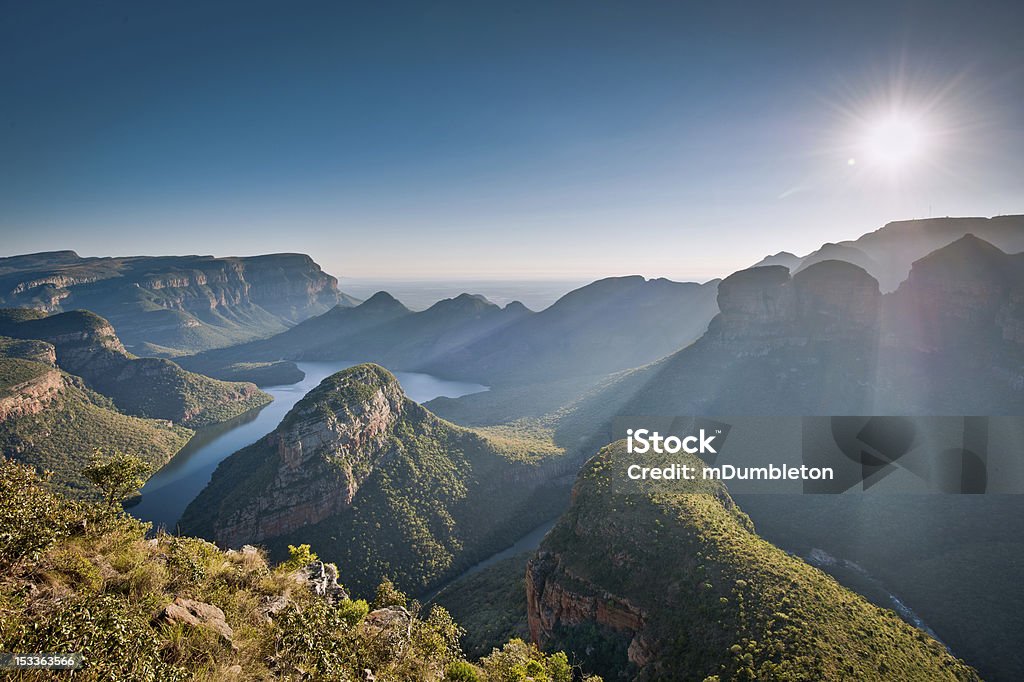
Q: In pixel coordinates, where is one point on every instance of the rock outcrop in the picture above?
(86, 345)
(324, 450)
(377, 484)
(175, 303)
(889, 252)
(764, 307)
(31, 396)
(196, 614)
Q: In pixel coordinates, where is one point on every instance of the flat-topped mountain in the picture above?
(379, 484)
(168, 305)
(671, 582)
(86, 345)
(888, 253)
(826, 341)
(53, 421)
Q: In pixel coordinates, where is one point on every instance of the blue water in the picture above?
(170, 490)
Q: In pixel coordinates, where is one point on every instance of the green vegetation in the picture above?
(718, 601)
(87, 346)
(77, 578)
(279, 373)
(64, 435)
(117, 476)
(943, 555)
(428, 498)
(27, 349)
(490, 604)
(14, 372)
(176, 304)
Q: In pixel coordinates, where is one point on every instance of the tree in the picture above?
(118, 476)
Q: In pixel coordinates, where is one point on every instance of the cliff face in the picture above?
(323, 451)
(557, 599)
(377, 483)
(30, 396)
(173, 304)
(764, 307)
(86, 345)
(669, 581)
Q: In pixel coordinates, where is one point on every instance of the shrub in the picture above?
(31, 517)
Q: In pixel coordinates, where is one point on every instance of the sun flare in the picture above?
(894, 142)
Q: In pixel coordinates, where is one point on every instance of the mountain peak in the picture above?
(355, 405)
(516, 307)
(381, 299)
(968, 251)
(464, 303)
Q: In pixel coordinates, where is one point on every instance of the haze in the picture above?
(509, 141)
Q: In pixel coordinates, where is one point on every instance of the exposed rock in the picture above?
(652, 582)
(763, 307)
(373, 480)
(32, 396)
(326, 447)
(273, 605)
(568, 599)
(161, 301)
(323, 581)
(198, 614)
(86, 345)
(387, 618)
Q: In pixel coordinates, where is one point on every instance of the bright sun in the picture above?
(894, 142)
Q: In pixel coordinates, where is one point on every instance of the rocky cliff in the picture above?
(169, 305)
(31, 393)
(51, 420)
(324, 450)
(669, 581)
(86, 345)
(379, 484)
(764, 307)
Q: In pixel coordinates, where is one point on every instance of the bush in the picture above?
(299, 557)
(462, 671)
(31, 517)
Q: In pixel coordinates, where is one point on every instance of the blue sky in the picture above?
(505, 140)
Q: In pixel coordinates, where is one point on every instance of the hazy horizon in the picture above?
(525, 142)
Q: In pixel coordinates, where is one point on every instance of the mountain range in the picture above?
(69, 387)
(917, 318)
(171, 305)
(588, 332)
(888, 253)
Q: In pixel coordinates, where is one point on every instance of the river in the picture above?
(170, 490)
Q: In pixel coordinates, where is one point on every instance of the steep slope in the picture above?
(380, 329)
(945, 343)
(77, 578)
(590, 331)
(662, 582)
(175, 304)
(87, 346)
(379, 484)
(805, 344)
(888, 253)
(50, 420)
(824, 341)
